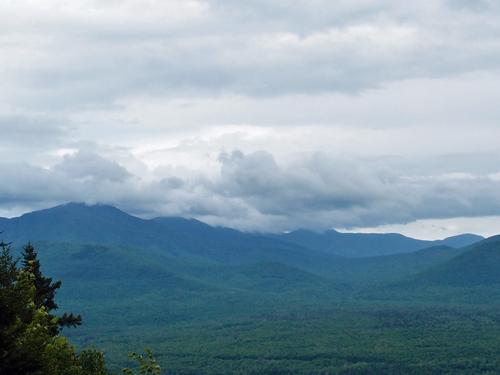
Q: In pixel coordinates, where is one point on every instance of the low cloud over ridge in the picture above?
(343, 113)
(253, 192)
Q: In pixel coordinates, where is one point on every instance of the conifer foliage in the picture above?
(30, 339)
(45, 290)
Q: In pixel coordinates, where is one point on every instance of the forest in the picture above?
(215, 301)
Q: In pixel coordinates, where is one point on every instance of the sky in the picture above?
(259, 115)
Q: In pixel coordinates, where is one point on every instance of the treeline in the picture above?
(31, 342)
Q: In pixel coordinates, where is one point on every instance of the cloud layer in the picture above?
(93, 53)
(253, 192)
(261, 115)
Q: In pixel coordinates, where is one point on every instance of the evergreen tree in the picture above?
(30, 343)
(46, 289)
(11, 311)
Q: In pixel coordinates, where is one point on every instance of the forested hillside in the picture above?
(214, 300)
(107, 225)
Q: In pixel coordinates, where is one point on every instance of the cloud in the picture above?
(321, 192)
(343, 113)
(220, 47)
(31, 130)
(253, 192)
(86, 165)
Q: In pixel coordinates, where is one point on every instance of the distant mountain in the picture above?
(168, 270)
(461, 240)
(107, 225)
(390, 268)
(178, 237)
(371, 244)
(479, 264)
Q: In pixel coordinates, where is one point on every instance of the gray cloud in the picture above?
(347, 113)
(31, 130)
(253, 192)
(476, 5)
(257, 48)
(85, 165)
(321, 192)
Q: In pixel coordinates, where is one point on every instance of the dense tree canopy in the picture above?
(45, 289)
(30, 339)
(30, 334)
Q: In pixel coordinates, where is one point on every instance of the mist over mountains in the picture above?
(103, 224)
(76, 238)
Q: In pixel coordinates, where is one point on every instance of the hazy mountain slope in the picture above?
(191, 241)
(130, 269)
(98, 271)
(103, 282)
(74, 222)
(478, 265)
(461, 240)
(388, 268)
(265, 277)
(356, 245)
(101, 224)
(106, 225)
(118, 266)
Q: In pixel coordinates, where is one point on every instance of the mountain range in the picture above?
(136, 280)
(76, 237)
(102, 224)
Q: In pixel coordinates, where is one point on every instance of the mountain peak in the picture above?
(462, 240)
(464, 235)
(78, 208)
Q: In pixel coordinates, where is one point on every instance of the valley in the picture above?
(215, 300)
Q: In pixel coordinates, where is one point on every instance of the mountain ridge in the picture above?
(105, 224)
(356, 245)
(477, 264)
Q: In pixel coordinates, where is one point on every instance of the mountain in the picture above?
(390, 268)
(176, 237)
(185, 251)
(107, 225)
(370, 244)
(461, 240)
(479, 264)
(154, 282)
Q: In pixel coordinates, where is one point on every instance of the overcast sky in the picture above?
(260, 115)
